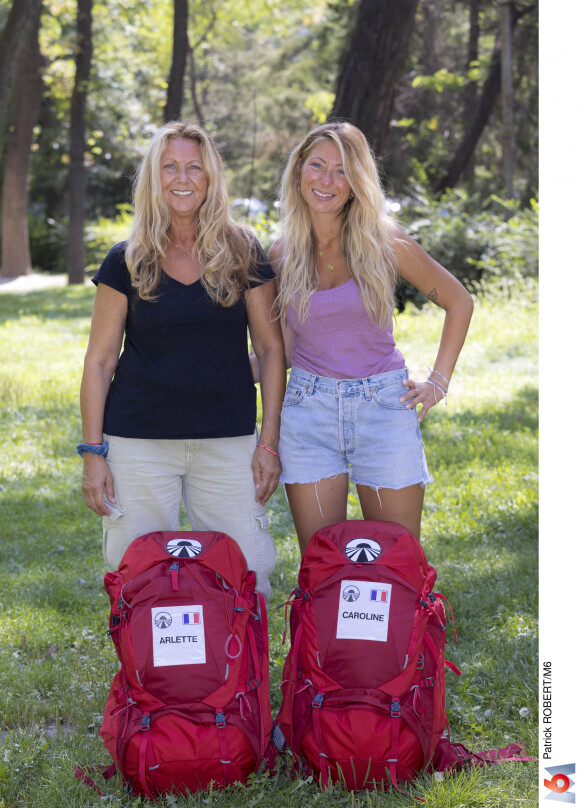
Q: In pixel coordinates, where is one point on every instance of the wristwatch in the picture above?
(91, 448)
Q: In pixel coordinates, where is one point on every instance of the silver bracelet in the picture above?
(441, 376)
(435, 384)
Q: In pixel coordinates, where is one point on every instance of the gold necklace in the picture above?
(329, 266)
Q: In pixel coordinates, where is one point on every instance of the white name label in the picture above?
(178, 635)
(363, 611)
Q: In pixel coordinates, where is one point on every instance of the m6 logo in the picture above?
(560, 784)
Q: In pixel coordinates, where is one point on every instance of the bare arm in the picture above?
(268, 348)
(105, 340)
(275, 255)
(443, 289)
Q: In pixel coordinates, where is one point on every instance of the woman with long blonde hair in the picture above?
(168, 402)
(350, 409)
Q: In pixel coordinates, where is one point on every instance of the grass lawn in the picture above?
(479, 531)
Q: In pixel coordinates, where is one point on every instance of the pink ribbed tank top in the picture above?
(339, 340)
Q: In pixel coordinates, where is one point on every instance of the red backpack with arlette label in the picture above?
(363, 690)
(190, 704)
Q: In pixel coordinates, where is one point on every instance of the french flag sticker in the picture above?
(191, 618)
(379, 595)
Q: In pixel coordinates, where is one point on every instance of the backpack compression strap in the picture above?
(322, 756)
(225, 760)
(144, 754)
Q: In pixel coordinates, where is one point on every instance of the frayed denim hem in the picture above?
(317, 479)
(423, 483)
(315, 482)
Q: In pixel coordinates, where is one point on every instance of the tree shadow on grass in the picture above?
(520, 412)
(492, 437)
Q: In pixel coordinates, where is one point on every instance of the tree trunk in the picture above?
(376, 57)
(470, 97)
(193, 86)
(470, 94)
(15, 35)
(193, 76)
(507, 96)
(15, 239)
(76, 175)
(178, 61)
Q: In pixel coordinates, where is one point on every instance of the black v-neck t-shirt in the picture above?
(184, 370)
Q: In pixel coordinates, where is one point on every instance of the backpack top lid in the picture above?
(364, 543)
(214, 550)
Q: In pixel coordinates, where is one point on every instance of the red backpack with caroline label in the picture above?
(364, 681)
(363, 685)
(190, 703)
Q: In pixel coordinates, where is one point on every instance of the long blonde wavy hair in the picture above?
(367, 233)
(226, 248)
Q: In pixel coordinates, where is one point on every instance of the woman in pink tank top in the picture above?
(350, 409)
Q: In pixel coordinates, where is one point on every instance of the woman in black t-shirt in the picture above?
(167, 399)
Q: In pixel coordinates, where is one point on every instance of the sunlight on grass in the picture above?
(503, 334)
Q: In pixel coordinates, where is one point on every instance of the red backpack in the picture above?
(364, 681)
(190, 703)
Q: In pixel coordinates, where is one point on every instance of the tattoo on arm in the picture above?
(433, 296)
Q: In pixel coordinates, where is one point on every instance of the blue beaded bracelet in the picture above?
(96, 449)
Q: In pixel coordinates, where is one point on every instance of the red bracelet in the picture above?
(267, 449)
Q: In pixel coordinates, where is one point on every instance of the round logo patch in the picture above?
(163, 620)
(350, 593)
(183, 548)
(361, 551)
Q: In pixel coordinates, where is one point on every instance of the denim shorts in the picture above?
(353, 426)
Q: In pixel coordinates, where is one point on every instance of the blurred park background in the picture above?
(445, 90)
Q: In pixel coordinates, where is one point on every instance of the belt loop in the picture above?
(366, 389)
(310, 384)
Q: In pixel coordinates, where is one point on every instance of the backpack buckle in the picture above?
(253, 684)
(318, 699)
(145, 723)
(395, 709)
(220, 720)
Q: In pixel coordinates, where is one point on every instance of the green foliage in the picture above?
(267, 230)
(47, 243)
(476, 242)
(479, 531)
(440, 81)
(103, 234)
(263, 72)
